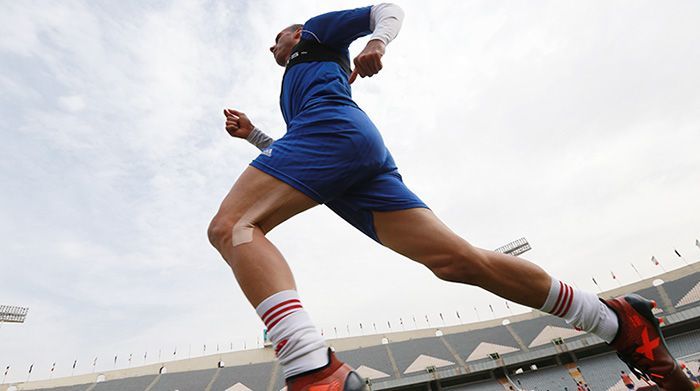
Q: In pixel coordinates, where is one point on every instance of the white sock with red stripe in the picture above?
(298, 345)
(583, 310)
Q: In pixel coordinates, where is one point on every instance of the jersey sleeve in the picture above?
(338, 29)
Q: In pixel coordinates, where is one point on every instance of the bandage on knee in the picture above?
(242, 233)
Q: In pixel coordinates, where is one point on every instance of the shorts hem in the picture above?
(288, 180)
(392, 208)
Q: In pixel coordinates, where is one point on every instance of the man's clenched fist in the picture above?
(369, 62)
(237, 123)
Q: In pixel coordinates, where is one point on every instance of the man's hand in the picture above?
(237, 123)
(369, 62)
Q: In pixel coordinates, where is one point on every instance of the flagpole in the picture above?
(680, 256)
(635, 269)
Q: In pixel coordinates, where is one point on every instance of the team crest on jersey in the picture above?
(267, 152)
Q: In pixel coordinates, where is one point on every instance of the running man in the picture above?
(333, 154)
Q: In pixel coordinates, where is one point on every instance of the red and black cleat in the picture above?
(335, 376)
(640, 344)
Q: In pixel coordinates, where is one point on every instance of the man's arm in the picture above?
(385, 22)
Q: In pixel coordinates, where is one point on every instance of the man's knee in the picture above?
(460, 265)
(230, 230)
(219, 230)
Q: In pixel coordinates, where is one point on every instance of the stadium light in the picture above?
(515, 247)
(12, 314)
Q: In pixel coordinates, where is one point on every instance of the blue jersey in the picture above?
(309, 85)
(332, 152)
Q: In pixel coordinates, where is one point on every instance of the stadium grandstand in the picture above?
(531, 351)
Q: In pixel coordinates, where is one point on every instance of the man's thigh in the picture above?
(418, 234)
(262, 199)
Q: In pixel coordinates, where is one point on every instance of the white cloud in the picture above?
(574, 125)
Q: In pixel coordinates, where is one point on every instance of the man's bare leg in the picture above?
(421, 236)
(255, 205)
(626, 323)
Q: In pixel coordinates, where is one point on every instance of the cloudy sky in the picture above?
(574, 124)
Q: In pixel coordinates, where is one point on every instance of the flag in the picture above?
(75, 363)
(677, 253)
(30, 368)
(613, 275)
(655, 261)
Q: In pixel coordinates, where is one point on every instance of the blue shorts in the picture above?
(336, 156)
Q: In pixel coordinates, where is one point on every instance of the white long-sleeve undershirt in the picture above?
(385, 21)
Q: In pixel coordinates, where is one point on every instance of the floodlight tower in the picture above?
(12, 314)
(515, 247)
